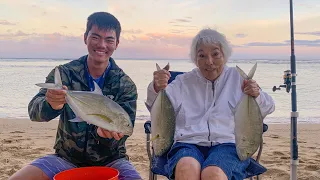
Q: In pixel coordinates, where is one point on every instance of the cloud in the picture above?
(65, 27)
(315, 33)
(176, 31)
(177, 25)
(6, 23)
(132, 31)
(308, 43)
(181, 20)
(265, 44)
(150, 45)
(241, 35)
(14, 35)
(57, 45)
(53, 45)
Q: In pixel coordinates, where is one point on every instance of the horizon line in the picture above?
(123, 58)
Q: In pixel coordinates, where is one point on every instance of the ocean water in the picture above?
(19, 76)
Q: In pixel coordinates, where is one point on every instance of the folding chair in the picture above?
(158, 165)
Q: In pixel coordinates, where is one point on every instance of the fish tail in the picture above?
(57, 81)
(158, 67)
(166, 67)
(242, 73)
(48, 85)
(57, 76)
(252, 71)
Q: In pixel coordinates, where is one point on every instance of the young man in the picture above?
(79, 144)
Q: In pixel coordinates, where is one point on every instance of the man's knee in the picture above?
(29, 172)
(213, 172)
(187, 167)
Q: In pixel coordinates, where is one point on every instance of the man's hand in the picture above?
(56, 98)
(250, 87)
(108, 134)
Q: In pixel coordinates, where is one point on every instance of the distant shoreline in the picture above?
(160, 59)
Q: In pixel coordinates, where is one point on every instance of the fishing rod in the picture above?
(290, 83)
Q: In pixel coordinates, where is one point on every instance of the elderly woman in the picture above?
(204, 141)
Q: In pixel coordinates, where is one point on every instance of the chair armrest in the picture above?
(147, 127)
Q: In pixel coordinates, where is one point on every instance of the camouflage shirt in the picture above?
(79, 142)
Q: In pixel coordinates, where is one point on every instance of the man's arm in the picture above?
(128, 97)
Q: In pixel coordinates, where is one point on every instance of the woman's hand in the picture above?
(250, 87)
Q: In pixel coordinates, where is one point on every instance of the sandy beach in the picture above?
(21, 141)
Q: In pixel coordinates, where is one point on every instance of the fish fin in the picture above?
(57, 77)
(232, 108)
(252, 71)
(57, 81)
(48, 85)
(97, 89)
(154, 138)
(76, 119)
(101, 116)
(242, 73)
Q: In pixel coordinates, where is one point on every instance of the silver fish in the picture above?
(94, 108)
(163, 122)
(248, 122)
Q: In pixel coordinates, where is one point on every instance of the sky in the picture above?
(160, 29)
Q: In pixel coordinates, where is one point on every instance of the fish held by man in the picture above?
(248, 122)
(94, 108)
(163, 122)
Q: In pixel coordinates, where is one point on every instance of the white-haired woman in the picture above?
(204, 141)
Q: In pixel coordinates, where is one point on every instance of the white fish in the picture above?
(94, 108)
(248, 122)
(163, 122)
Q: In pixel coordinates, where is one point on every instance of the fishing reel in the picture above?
(286, 82)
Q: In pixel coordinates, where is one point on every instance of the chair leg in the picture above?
(151, 175)
(148, 148)
(259, 155)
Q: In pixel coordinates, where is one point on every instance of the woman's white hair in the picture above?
(210, 36)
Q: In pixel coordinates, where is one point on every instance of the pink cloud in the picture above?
(6, 23)
(152, 45)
